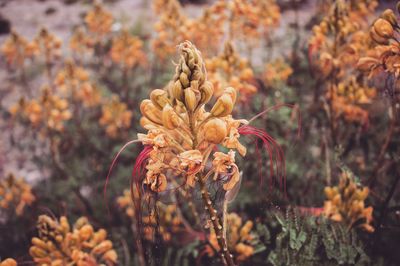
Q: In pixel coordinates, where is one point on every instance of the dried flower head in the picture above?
(115, 116)
(59, 244)
(15, 194)
(345, 203)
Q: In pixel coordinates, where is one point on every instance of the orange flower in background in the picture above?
(127, 50)
(229, 69)
(115, 117)
(167, 223)
(74, 82)
(345, 203)
(241, 240)
(60, 244)
(15, 194)
(99, 21)
(48, 111)
(16, 49)
(276, 72)
(47, 45)
(80, 42)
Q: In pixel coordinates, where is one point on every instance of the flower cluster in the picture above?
(59, 244)
(345, 203)
(276, 72)
(239, 236)
(181, 131)
(15, 193)
(384, 58)
(99, 21)
(73, 81)
(334, 49)
(183, 136)
(127, 50)
(17, 49)
(47, 46)
(115, 116)
(48, 111)
(229, 69)
(347, 98)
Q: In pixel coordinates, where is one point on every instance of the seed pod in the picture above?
(159, 98)
(215, 131)
(151, 112)
(177, 91)
(223, 106)
(170, 118)
(383, 28)
(206, 92)
(389, 15)
(190, 99)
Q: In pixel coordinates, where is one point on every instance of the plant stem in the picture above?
(217, 224)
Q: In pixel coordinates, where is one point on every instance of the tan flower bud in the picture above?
(223, 106)
(39, 243)
(159, 98)
(86, 232)
(206, 92)
(389, 15)
(170, 119)
(37, 252)
(190, 99)
(110, 256)
(232, 93)
(177, 91)
(8, 262)
(215, 130)
(102, 247)
(383, 28)
(151, 112)
(183, 78)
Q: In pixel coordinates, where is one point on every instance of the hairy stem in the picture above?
(217, 224)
